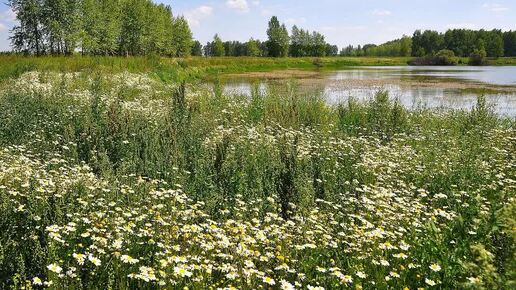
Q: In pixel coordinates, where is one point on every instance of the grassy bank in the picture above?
(122, 181)
(179, 68)
(194, 67)
(502, 61)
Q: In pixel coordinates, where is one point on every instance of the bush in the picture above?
(478, 57)
(443, 57)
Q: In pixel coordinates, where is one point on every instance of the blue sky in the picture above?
(342, 21)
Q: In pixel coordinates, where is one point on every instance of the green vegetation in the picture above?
(304, 43)
(176, 68)
(478, 57)
(462, 42)
(428, 43)
(99, 27)
(139, 27)
(278, 43)
(216, 47)
(398, 47)
(125, 181)
(502, 61)
(135, 173)
(443, 57)
(197, 67)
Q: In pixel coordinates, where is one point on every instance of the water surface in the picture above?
(421, 86)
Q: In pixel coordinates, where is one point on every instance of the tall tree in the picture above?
(196, 48)
(218, 46)
(252, 48)
(133, 26)
(182, 37)
(509, 42)
(494, 46)
(295, 42)
(101, 27)
(417, 45)
(278, 43)
(27, 36)
(160, 30)
(61, 25)
(318, 44)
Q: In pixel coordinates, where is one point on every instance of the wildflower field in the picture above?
(133, 181)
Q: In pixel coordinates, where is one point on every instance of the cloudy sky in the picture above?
(342, 21)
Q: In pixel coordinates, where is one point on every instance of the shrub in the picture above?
(478, 57)
(443, 57)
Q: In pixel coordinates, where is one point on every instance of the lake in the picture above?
(422, 86)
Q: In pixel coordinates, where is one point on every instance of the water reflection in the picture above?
(363, 83)
(494, 75)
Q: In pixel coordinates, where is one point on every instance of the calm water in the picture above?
(362, 82)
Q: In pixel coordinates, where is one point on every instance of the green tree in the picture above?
(461, 41)
(405, 46)
(509, 43)
(28, 36)
(62, 24)
(494, 47)
(218, 46)
(252, 48)
(133, 26)
(477, 57)
(295, 42)
(106, 27)
(417, 44)
(182, 37)
(101, 27)
(196, 48)
(318, 44)
(332, 50)
(398, 47)
(278, 42)
(159, 35)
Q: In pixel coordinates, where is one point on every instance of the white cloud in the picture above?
(195, 16)
(239, 5)
(3, 27)
(381, 12)
(495, 7)
(292, 21)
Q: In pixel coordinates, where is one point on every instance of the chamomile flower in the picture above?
(435, 267)
(430, 282)
(269, 280)
(55, 268)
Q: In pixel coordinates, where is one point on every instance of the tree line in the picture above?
(141, 27)
(398, 47)
(99, 27)
(280, 43)
(462, 42)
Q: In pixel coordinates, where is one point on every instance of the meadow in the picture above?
(179, 69)
(115, 174)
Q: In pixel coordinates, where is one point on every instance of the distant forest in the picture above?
(141, 27)
(463, 43)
